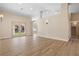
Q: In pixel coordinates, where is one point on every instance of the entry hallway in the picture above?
(30, 46)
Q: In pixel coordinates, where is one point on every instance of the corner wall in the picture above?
(58, 26)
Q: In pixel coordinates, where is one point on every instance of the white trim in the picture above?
(4, 37)
(55, 38)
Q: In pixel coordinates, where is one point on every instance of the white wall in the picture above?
(58, 26)
(9, 19)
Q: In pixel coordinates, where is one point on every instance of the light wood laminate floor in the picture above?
(31, 46)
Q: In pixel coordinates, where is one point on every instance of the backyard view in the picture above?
(19, 30)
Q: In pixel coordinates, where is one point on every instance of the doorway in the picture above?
(18, 29)
(34, 27)
(75, 25)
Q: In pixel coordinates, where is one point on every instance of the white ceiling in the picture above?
(31, 9)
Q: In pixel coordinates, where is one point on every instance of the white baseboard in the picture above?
(4, 37)
(55, 38)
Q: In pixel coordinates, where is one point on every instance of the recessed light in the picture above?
(47, 12)
(31, 8)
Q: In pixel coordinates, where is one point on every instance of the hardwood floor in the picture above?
(32, 46)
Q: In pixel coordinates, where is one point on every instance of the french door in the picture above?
(19, 29)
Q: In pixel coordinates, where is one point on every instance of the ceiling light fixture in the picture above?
(41, 14)
(46, 21)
